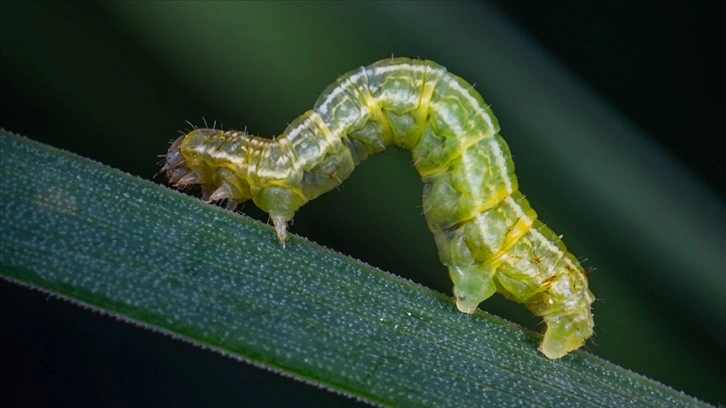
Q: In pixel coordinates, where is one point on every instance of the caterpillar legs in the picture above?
(280, 224)
(566, 333)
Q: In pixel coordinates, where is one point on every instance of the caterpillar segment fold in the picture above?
(488, 235)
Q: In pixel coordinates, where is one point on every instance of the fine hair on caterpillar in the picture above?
(487, 234)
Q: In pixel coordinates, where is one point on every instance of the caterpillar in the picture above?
(487, 234)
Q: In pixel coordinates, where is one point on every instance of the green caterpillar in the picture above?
(487, 234)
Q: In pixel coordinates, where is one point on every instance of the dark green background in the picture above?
(116, 81)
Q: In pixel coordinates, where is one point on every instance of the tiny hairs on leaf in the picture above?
(488, 235)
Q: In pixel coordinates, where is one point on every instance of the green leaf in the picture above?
(169, 262)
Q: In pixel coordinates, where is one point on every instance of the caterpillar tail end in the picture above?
(565, 334)
(280, 224)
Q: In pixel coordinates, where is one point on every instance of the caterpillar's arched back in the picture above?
(487, 234)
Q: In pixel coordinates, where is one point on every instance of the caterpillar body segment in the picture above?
(487, 234)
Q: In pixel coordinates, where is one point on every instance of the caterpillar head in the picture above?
(175, 167)
(187, 163)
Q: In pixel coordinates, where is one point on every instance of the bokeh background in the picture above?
(613, 113)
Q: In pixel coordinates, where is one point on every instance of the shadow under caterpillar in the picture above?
(488, 236)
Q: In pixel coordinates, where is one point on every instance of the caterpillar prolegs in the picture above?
(487, 234)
